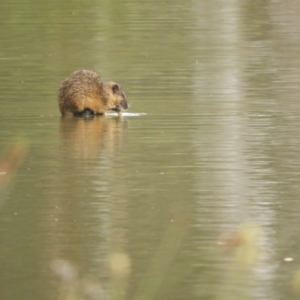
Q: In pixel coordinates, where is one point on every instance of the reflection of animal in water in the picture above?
(86, 138)
(83, 92)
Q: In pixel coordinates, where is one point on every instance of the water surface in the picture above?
(209, 147)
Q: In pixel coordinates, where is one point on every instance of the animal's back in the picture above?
(80, 91)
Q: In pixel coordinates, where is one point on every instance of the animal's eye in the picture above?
(115, 88)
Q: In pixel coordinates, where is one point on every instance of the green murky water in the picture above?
(153, 205)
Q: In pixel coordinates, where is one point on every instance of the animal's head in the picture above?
(116, 98)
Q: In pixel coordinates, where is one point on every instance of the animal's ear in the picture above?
(115, 88)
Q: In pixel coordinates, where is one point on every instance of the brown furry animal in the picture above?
(83, 92)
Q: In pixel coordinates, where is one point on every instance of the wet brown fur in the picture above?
(84, 91)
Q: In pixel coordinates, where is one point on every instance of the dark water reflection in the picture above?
(216, 152)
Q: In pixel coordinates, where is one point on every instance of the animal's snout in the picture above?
(124, 103)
